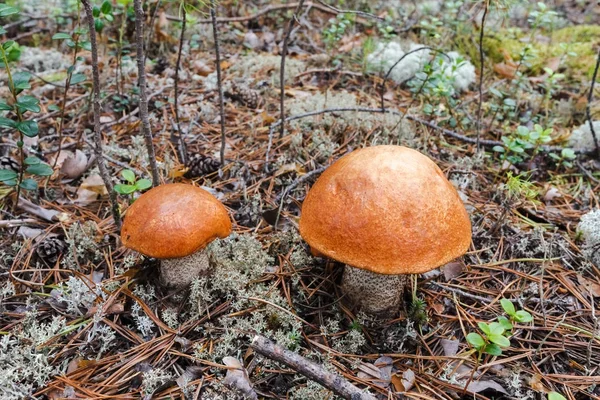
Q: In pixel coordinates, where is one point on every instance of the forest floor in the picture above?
(83, 317)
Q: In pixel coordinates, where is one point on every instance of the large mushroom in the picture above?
(174, 223)
(385, 212)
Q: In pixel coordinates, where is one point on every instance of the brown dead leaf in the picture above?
(201, 68)
(404, 382)
(95, 184)
(589, 286)
(536, 383)
(237, 378)
(438, 307)
(507, 71)
(452, 270)
(225, 65)
(115, 308)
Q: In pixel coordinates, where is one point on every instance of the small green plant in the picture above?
(133, 184)
(101, 14)
(565, 158)
(522, 142)
(513, 314)
(337, 28)
(496, 334)
(492, 341)
(518, 188)
(17, 108)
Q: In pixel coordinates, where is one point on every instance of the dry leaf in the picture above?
(480, 386)
(589, 286)
(201, 68)
(536, 383)
(95, 184)
(404, 382)
(237, 378)
(379, 373)
(551, 194)
(452, 270)
(507, 71)
(450, 347)
(74, 165)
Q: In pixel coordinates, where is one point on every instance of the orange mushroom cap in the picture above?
(173, 221)
(387, 209)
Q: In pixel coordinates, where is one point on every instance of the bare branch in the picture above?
(177, 139)
(145, 125)
(481, 60)
(312, 371)
(284, 49)
(587, 108)
(104, 174)
(213, 16)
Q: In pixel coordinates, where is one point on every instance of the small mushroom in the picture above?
(174, 223)
(385, 212)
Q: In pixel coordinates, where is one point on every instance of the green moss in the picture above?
(581, 40)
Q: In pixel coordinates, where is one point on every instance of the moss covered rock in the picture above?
(581, 40)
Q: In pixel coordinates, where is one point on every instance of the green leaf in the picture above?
(8, 123)
(96, 11)
(98, 25)
(143, 184)
(29, 184)
(128, 175)
(493, 349)
(54, 107)
(61, 36)
(569, 154)
(7, 174)
(7, 107)
(500, 340)
(508, 306)
(21, 80)
(10, 182)
(485, 328)
(28, 103)
(556, 396)
(32, 161)
(523, 316)
(28, 128)
(475, 340)
(496, 328)
(87, 45)
(8, 44)
(106, 7)
(109, 17)
(40, 170)
(77, 78)
(505, 323)
(5, 10)
(124, 189)
(498, 149)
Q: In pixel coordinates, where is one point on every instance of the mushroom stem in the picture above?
(371, 292)
(180, 272)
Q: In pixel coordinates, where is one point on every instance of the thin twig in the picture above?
(104, 174)
(213, 17)
(152, 19)
(178, 141)
(284, 49)
(145, 125)
(588, 107)
(312, 371)
(481, 60)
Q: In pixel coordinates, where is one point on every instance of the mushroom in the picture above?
(385, 212)
(174, 223)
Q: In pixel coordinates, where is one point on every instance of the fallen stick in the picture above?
(312, 371)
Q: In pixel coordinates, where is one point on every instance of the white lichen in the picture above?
(589, 227)
(386, 55)
(581, 137)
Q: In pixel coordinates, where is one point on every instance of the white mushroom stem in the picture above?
(180, 272)
(371, 292)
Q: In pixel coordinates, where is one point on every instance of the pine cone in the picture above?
(199, 165)
(50, 249)
(249, 97)
(7, 162)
